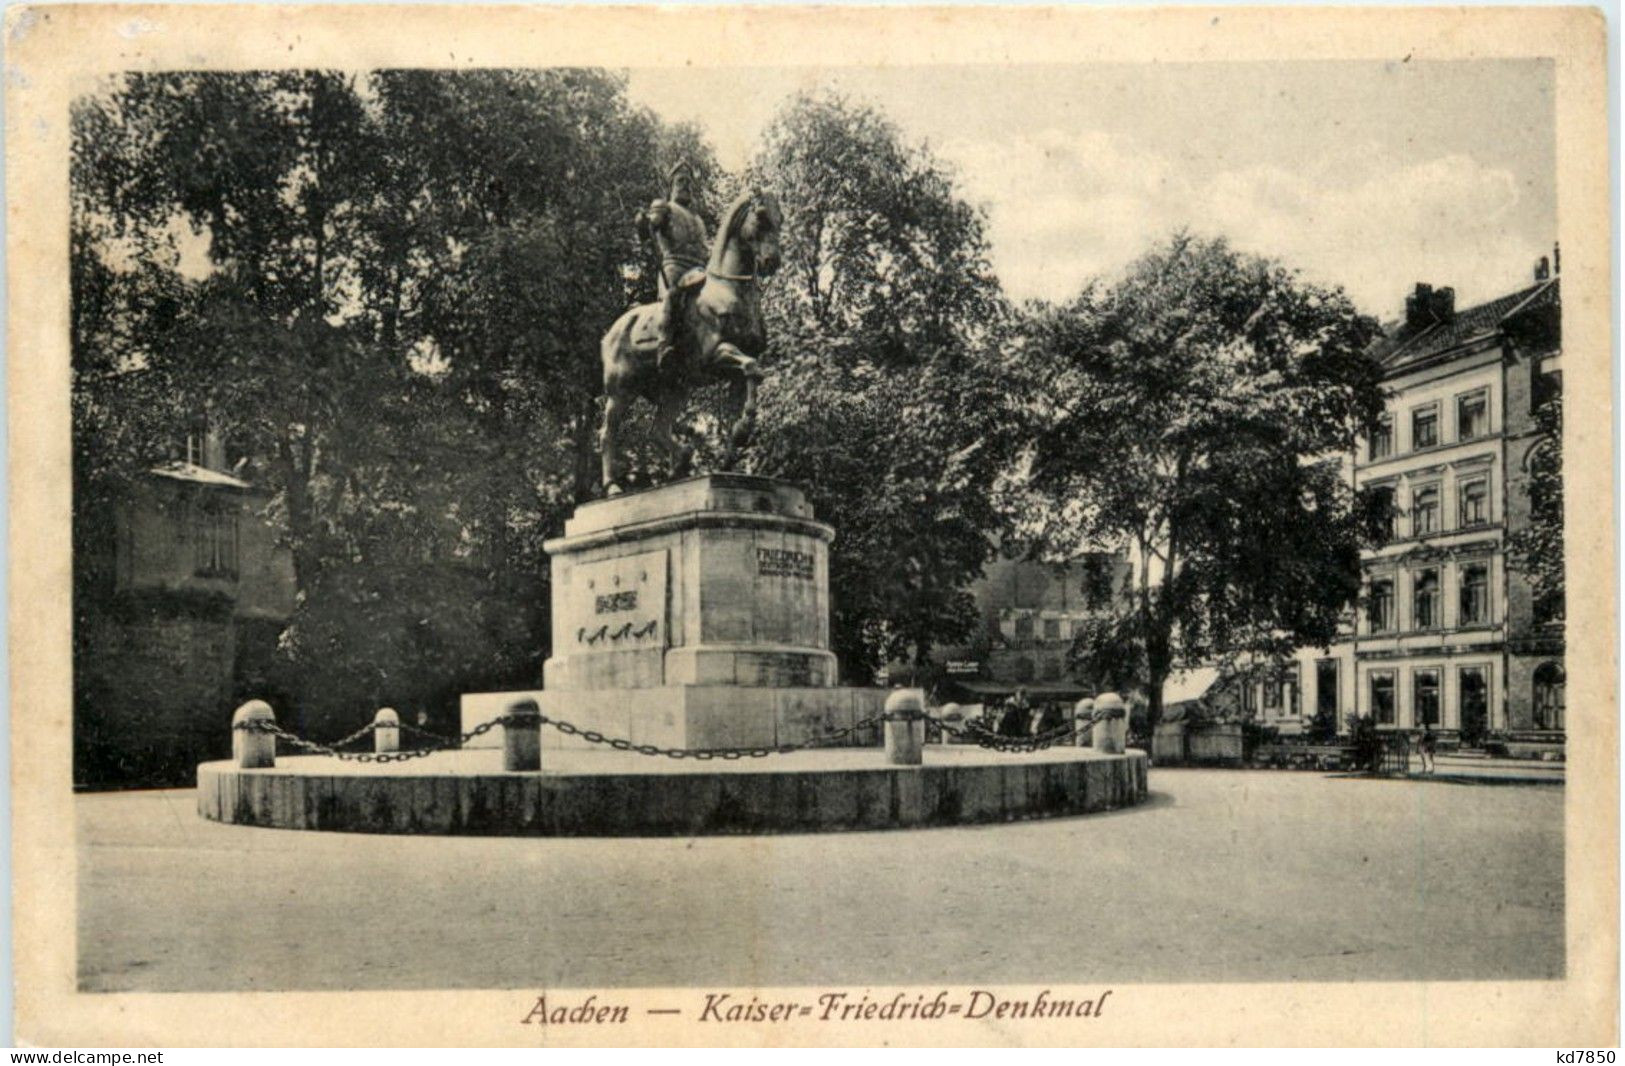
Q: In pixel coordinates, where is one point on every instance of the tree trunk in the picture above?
(1157, 634)
(301, 534)
(586, 451)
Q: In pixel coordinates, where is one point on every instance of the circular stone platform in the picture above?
(609, 793)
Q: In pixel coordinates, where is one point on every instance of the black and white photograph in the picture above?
(738, 545)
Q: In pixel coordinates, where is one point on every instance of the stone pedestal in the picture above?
(694, 614)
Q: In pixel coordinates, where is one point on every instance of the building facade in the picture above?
(181, 592)
(1030, 612)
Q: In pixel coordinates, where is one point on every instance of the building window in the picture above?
(1382, 438)
(1475, 502)
(1473, 415)
(214, 542)
(1384, 499)
(1024, 627)
(1052, 629)
(1272, 695)
(1473, 704)
(1475, 594)
(1425, 696)
(1550, 682)
(1249, 698)
(1382, 696)
(1381, 611)
(1424, 510)
(1426, 601)
(1424, 426)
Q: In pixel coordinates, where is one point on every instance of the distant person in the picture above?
(1430, 741)
(1016, 711)
(1048, 719)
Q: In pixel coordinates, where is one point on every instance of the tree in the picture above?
(887, 398)
(1537, 549)
(407, 276)
(1195, 412)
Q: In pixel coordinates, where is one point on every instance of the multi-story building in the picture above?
(1448, 634)
(1434, 645)
(1430, 647)
(1030, 613)
(181, 592)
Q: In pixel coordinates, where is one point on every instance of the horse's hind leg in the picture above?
(609, 443)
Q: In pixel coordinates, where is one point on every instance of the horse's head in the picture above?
(752, 225)
(760, 230)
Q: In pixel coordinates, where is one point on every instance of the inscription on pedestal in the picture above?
(784, 562)
(618, 604)
(617, 601)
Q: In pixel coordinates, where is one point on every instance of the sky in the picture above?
(1369, 175)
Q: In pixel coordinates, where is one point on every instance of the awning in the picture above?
(1193, 684)
(1003, 689)
(201, 475)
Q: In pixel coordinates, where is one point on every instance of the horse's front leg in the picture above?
(742, 395)
(666, 412)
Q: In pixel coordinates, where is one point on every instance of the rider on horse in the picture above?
(679, 233)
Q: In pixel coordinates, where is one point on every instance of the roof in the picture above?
(1484, 319)
(199, 475)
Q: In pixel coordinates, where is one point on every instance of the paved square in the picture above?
(1222, 876)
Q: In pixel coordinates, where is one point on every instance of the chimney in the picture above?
(1444, 304)
(1543, 269)
(1428, 306)
(1418, 306)
(1557, 260)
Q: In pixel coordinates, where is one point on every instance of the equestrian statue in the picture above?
(706, 327)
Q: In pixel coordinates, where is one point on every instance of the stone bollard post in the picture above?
(1111, 731)
(1083, 712)
(948, 712)
(905, 727)
(386, 730)
(522, 738)
(251, 749)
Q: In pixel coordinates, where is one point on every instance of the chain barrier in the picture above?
(981, 736)
(260, 726)
(969, 731)
(592, 736)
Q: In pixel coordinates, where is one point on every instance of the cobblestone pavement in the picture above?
(1224, 875)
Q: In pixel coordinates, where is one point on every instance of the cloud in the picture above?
(1066, 207)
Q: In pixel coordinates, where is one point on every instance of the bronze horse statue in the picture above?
(720, 335)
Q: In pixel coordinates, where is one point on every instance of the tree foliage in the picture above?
(1197, 411)
(888, 399)
(1537, 548)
